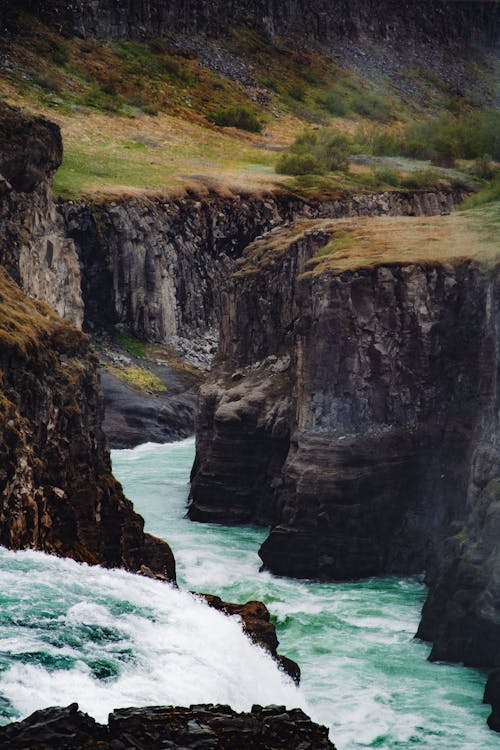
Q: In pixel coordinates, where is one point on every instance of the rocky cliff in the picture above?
(354, 408)
(57, 493)
(157, 265)
(33, 245)
(319, 20)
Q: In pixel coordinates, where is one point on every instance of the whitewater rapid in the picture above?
(109, 639)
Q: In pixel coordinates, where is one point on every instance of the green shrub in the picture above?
(489, 194)
(425, 179)
(388, 176)
(316, 153)
(335, 151)
(238, 117)
(297, 92)
(299, 164)
(371, 106)
(483, 168)
(335, 104)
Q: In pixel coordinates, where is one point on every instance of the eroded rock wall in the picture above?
(357, 413)
(33, 244)
(158, 265)
(318, 20)
(57, 492)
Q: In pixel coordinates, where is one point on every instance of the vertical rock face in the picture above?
(373, 392)
(462, 612)
(318, 20)
(157, 265)
(57, 493)
(33, 245)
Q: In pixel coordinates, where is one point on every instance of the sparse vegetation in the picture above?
(139, 377)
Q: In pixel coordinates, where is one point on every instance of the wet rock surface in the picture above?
(256, 622)
(492, 696)
(200, 726)
(57, 493)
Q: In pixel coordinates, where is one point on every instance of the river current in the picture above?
(108, 639)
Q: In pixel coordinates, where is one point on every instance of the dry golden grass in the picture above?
(26, 325)
(369, 242)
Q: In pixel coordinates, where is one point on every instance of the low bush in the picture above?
(424, 179)
(316, 153)
(388, 176)
(238, 117)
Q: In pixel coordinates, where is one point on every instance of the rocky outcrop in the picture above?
(492, 696)
(256, 622)
(462, 613)
(157, 265)
(355, 410)
(33, 245)
(203, 726)
(318, 20)
(57, 493)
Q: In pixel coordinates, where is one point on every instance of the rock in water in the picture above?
(204, 726)
(492, 696)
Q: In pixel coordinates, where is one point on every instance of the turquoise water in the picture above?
(109, 639)
(363, 673)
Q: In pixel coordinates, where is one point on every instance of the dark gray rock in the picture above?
(205, 727)
(492, 696)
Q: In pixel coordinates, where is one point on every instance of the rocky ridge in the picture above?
(317, 20)
(206, 727)
(157, 265)
(34, 247)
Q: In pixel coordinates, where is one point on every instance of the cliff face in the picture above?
(33, 245)
(157, 266)
(57, 493)
(319, 20)
(354, 409)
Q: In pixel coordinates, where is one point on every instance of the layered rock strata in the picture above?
(355, 409)
(34, 247)
(57, 493)
(202, 726)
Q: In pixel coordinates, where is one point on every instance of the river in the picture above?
(110, 639)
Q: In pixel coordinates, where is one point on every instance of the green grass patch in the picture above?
(139, 378)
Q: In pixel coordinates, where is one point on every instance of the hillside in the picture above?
(156, 113)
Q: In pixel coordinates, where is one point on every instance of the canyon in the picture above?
(345, 349)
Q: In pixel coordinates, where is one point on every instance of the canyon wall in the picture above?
(33, 244)
(157, 265)
(357, 413)
(57, 492)
(319, 20)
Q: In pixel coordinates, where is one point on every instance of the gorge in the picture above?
(334, 345)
